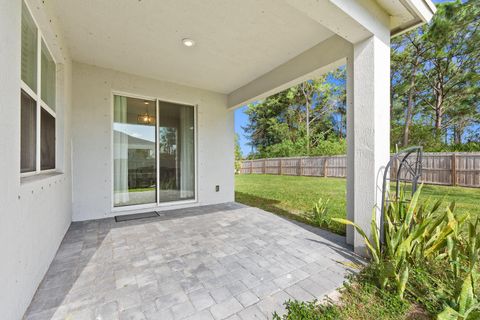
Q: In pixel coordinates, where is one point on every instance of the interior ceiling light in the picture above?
(188, 42)
(145, 118)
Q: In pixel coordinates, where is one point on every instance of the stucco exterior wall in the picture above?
(92, 142)
(35, 212)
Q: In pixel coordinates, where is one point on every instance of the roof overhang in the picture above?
(419, 12)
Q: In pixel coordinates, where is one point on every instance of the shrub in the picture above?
(299, 310)
(319, 146)
(463, 249)
(318, 215)
(413, 232)
(431, 255)
(329, 147)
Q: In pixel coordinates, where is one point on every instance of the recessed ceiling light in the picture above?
(146, 102)
(188, 42)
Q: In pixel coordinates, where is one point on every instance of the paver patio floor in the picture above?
(214, 262)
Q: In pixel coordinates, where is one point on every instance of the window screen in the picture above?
(28, 134)
(47, 137)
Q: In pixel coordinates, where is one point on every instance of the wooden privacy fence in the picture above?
(443, 168)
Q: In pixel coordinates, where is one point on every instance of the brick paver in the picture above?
(214, 262)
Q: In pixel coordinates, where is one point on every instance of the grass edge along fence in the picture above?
(440, 168)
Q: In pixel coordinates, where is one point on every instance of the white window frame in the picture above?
(37, 96)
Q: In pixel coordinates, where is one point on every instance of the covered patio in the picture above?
(212, 262)
(111, 108)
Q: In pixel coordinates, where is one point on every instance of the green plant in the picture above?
(318, 216)
(463, 253)
(238, 154)
(373, 244)
(430, 286)
(412, 232)
(360, 299)
(466, 303)
(299, 310)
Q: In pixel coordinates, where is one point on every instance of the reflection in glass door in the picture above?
(134, 152)
(176, 137)
(137, 138)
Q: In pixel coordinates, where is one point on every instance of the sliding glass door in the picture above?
(134, 152)
(177, 153)
(153, 152)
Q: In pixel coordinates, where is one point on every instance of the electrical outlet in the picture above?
(217, 188)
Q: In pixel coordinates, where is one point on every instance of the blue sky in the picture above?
(241, 118)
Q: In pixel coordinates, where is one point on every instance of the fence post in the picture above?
(454, 169)
(325, 167)
(281, 166)
(264, 166)
(251, 166)
(300, 163)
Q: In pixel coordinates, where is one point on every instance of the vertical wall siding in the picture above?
(35, 212)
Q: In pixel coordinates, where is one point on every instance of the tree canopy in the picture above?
(307, 119)
(435, 80)
(435, 92)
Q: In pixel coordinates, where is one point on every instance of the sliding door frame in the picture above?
(156, 204)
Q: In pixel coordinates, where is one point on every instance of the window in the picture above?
(29, 49)
(47, 138)
(48, 77)
(38, 100)
(28, 135)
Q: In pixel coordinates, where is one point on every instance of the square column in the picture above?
(368, 122)
(350, 150)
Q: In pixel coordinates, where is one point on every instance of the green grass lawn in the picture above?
(291, 196)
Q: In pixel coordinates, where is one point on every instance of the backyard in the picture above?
(414, 276)
(293, 196)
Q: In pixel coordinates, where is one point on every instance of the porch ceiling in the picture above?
(236, 41)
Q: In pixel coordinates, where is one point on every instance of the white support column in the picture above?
(371, 130)
(350, 150)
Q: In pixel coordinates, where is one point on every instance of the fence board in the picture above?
(443, 168)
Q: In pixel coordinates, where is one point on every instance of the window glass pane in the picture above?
(29, 49)
(48, 77)
(134, 152)
(28, 133)
(177, 152)
(47, 141)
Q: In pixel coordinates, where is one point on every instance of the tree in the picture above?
(452, 62)
(435, 77)
(238, 154)
(407, 57)
(267, 122)
(434, 98)
(294, 121)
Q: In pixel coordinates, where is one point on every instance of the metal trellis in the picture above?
(403, 169)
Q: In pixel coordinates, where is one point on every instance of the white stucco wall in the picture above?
(34, 214)
(92, 146)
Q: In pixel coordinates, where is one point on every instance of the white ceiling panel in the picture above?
(236, 40)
